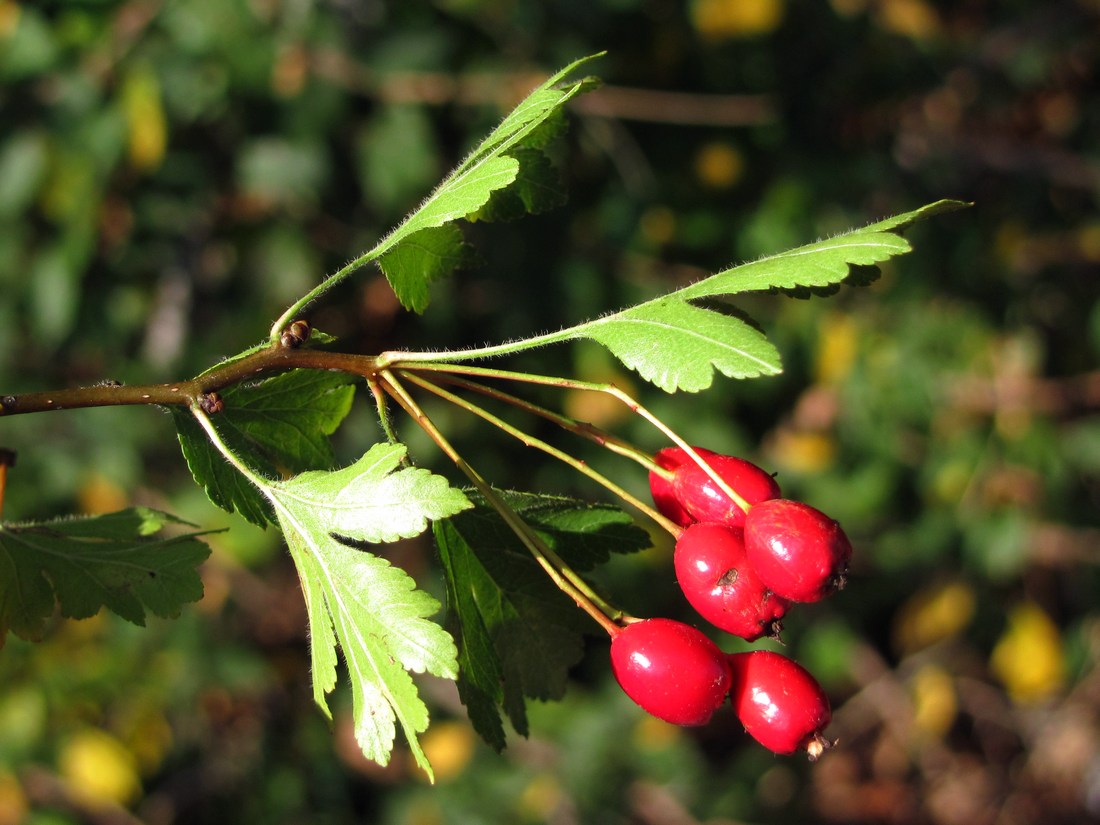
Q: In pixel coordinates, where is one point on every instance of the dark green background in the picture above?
(947, 415)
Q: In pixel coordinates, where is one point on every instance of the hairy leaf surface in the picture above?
(481, 188)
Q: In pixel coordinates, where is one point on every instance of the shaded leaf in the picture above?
(425, 257)
(497, 163)
(537, 188)
(518, 634)
(123, 561)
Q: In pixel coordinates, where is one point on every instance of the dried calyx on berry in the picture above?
(779, 702)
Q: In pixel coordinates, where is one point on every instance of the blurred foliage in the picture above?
(174, 172)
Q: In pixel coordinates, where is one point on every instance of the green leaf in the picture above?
(821, 263)
(677, 345)
(496, 164)
(537, 188)
(518, 635)
(124, 561)
(358, 600)
(277, 426)
(425, 257)
(368, 501)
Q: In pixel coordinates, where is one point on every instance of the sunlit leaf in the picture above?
(359, 601)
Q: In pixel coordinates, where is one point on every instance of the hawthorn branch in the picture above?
(197, 391)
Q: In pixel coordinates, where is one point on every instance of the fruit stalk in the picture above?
(539, 444)
(561, 574)
(412, 360)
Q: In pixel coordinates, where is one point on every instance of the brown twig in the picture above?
(192, 392)
(505, 89)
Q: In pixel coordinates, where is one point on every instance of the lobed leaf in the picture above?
(124, 561)
(370, 500)
(678, 345)
(818, 264)
(278, 425)
(359, 601)
(507, 159)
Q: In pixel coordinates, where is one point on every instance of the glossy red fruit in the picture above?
(799, 552)
(703, 499)
(664, 497)
(719, 583)
(671, 670)
(779, 702)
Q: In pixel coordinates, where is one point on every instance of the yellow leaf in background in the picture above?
(98, 494)
(651, 734)
(13, 802)
(724, 19)
(933, 614)
(658, 225)
(935, 704)
(9, 18)
(595, 365)
(1029, 658)
(449, 747)
(148, 738)
(1088, 242)
(719, 165)
(802, 452)
(98, 768)
(542, 796)
(146, 124)
(910, 18)
(837, 348)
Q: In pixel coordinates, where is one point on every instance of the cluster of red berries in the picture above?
(741, 565)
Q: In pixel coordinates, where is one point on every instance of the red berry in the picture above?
(779, 702)
(798, 552)
(671, 670)
(704, 500)
(720, 584)
(664, 497)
